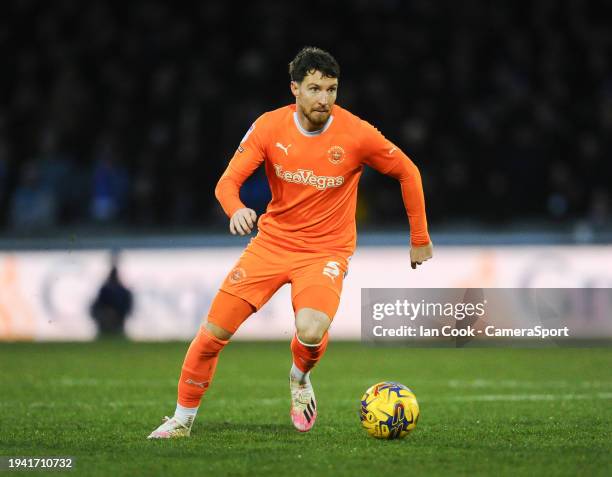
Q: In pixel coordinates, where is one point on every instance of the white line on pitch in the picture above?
(453, 383)
(276, 401)
(527, 397)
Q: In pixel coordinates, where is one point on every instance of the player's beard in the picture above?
(318, 118)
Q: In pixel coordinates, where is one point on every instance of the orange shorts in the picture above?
(263, 268)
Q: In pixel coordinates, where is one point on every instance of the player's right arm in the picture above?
(247, 158)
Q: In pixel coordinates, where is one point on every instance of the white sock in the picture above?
(185, 414)
(298, 375)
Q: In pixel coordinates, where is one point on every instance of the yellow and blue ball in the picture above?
(389, 410)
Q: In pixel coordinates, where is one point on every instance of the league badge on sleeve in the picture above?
(248, 133)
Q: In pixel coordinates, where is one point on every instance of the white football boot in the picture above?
(303, 405)
(172, 428)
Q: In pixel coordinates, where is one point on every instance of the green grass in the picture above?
(483, 411)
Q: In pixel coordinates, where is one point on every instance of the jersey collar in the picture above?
(311, 133)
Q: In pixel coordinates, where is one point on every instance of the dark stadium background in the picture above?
(122, 115)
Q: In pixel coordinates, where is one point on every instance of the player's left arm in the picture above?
(388, 159)
(408, 175)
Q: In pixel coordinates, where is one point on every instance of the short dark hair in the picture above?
(311, 58)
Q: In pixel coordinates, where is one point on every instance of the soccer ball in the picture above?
(389, 410)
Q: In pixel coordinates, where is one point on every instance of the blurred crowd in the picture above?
(126, 113)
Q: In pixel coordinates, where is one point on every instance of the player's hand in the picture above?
(418, 254)
(243, 221)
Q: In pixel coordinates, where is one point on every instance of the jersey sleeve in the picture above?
(247, 158)
(379, 153)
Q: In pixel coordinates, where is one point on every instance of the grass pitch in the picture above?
(483, 411)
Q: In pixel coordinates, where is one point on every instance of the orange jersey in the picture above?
(313, 179)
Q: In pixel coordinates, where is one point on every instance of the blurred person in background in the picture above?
(113, 304)
(34, 205)
(110, 183)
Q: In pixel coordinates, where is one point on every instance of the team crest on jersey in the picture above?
(237, 275)
(335, 154)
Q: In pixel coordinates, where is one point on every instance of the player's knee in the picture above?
(218, 332)
(311, 326)
(310, 336)
(227, 312)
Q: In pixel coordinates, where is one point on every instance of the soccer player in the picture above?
(314, 152)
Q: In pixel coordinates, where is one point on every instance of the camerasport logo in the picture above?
(335, 154)
(308, 177)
